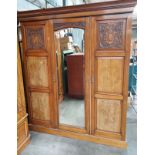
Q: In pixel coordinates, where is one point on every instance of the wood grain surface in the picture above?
(37, 71)
(109, 76)
(40, 106)
(108, 115)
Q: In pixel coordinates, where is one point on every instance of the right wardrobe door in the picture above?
(109, 69)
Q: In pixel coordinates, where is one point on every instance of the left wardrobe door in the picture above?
(37, 48)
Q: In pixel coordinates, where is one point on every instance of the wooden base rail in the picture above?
(84, 137)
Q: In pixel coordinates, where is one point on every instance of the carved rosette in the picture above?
(35, 38)
(111, 35)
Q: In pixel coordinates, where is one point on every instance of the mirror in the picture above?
(69, 45)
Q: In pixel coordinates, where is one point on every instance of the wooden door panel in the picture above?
(109, 68)
(37, 69)
(109, 74)
(111, 34)
(35, 38)
(39, 72)
(108, 115)
(40, 106)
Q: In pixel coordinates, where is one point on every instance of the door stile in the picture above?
(125, 80)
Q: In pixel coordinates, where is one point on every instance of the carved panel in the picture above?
(35, 38)
(111, 35)
(37, 71)
(40, 106)
(58, 26)
(109, 115)
(109, 74)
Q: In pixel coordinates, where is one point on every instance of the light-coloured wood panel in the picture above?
(109, 76)
(21, 111)
(108, 115)
(37, 71)
(23, 136)
(40, 106)
(22, 132)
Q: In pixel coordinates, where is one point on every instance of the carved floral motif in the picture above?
(35, 38)
(111, 35)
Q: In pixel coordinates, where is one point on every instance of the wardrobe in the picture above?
(107, 39)
(23, 136)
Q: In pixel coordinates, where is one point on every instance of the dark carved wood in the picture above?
(35, 38)
(111, 35)
(58, 26)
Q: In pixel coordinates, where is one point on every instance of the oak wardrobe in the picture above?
(23, 136)
(105, 29)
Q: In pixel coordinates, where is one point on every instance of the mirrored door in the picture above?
(72, 74)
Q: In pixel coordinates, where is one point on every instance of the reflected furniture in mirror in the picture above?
(75, 72)
(70, 72)
(98, 113)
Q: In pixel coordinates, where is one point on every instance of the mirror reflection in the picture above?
(69, 45)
